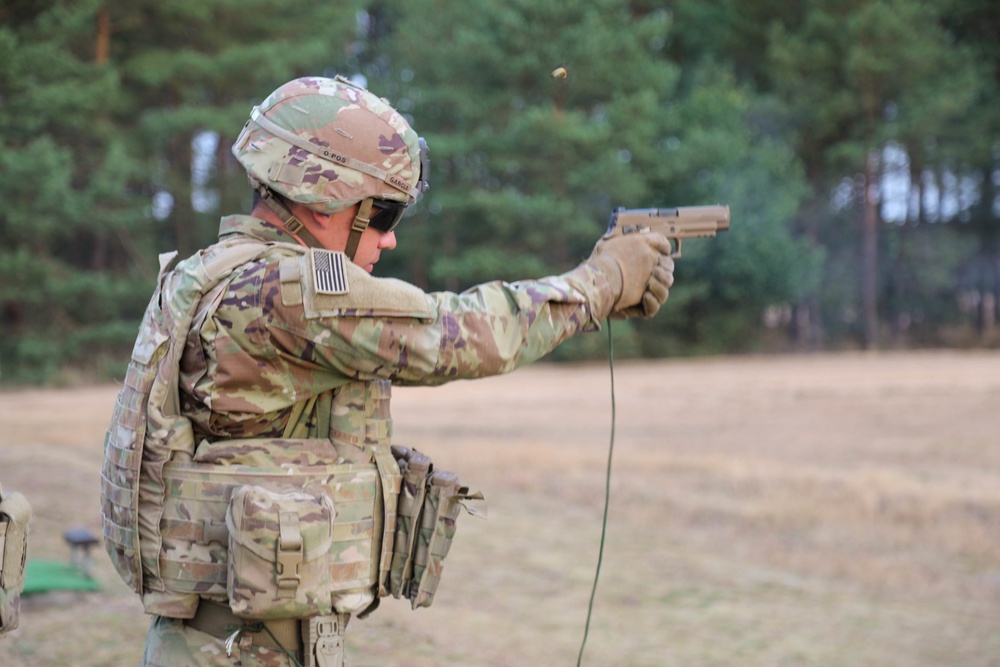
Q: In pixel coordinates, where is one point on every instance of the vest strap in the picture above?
(218, 620)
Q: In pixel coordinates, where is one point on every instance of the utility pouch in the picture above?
(279, 544)
(437, 530)
(429, 504)
(15, 513)
(415, 468)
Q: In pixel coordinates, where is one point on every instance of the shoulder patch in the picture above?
(364, 295)
(329, 272)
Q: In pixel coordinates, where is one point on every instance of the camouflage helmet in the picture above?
(328, 144)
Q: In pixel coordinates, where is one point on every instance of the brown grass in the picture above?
(819, 510)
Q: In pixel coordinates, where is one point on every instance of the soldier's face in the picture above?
(334, 230)
(372, 243)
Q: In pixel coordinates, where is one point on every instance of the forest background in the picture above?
(857, 143)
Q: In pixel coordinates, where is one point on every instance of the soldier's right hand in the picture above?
(641, 270)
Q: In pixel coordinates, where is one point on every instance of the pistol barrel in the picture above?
(676, 224)
(717, 215)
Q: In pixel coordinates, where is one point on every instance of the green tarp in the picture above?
(43, 576)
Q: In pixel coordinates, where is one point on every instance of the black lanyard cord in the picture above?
(607, 495)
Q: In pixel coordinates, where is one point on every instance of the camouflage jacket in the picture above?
(268, 344)
(293, 347)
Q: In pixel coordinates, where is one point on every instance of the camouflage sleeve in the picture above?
(400, 333)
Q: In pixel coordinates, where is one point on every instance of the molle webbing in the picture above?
(198, 495)
(164, 500)
(354, 466)
(363, 408)
(146, 427)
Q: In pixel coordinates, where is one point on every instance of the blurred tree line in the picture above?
(856, 141)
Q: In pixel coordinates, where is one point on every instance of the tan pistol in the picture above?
(677, 224)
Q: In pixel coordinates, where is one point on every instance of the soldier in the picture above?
(15, 513)
(250, 495)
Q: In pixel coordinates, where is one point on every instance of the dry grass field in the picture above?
(809, 510)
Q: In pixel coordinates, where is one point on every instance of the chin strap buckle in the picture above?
(358, 227)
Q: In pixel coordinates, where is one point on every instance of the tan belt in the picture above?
(219, 621)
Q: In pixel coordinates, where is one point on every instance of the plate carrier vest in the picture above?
(164, 497)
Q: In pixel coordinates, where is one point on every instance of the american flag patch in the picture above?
(329, 274)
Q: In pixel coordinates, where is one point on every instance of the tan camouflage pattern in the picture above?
(10, 609)
(15, 515)
(344, 118)
(429, 504)
(147, 429)
(354, 467)
(277, 384)
(170, 643)
(256, 358)
(360, 419)
(437, 530)
(414, 466)
(254, 366)
(201, 492)
(279, 540)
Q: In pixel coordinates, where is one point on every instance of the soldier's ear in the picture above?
(322, 220)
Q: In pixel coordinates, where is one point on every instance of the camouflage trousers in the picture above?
(170, 643)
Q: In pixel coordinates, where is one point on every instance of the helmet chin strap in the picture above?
(295, 226)
(288, 219)
(358, 227)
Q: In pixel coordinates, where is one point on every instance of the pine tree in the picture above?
(527, 166)
(69, 255)
(858, 76)
(116, 123)
(975, 144)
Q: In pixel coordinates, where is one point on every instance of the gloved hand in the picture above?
(639, 268)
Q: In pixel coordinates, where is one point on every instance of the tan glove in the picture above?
(639, 268)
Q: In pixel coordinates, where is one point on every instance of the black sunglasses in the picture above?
(388, 215)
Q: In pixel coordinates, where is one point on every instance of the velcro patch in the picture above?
(286, 173)
(290, 275)
(329, 272)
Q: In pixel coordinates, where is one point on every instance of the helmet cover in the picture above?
(328, 144)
